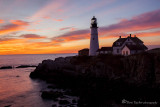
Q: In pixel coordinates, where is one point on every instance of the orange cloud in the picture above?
(139, 23)
(58, 20)
(22, 46)
(17, 25)
(19, 22)
(1, 21)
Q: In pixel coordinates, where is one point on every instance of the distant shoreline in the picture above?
(41, 54)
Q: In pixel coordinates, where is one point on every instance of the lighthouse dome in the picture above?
(93, 18)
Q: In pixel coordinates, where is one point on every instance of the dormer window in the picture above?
(118, 43)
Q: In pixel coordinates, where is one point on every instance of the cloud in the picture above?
(5, 39)
(52, 6)
(32, 36)
(73, 35)
(141, 34)
(90, 8)
(23, 46)
(67, 28)
(16, 25)
(144, 21)
(148, 34)
(1, 21)
(58, 20)
(47, 17)
(141, 22)
(33, 30)
(18, 22)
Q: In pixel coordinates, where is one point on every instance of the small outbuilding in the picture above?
(83, 52)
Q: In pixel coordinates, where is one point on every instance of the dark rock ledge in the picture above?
(6, 67)
(103, 80)
(20, 66)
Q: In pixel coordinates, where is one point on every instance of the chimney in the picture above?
(134, 35)
(130, 35)
(119, 36)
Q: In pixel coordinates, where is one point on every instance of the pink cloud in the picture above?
(32, 36)
(51, 7)
(144, 21)
(47, 17)
(72, 36)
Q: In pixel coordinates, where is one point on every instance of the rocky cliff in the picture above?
(105, 78)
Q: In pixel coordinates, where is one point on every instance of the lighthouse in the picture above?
(94, 44)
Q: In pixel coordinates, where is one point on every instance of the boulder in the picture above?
(51, 94)
(8, 106)
(63, 102)
(6, 67)
(25, 66)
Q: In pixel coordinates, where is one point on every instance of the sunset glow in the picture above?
(63, 26)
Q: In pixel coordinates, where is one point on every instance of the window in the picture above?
(126, 52)
(123, 52)
(117, 50)
(117, 43)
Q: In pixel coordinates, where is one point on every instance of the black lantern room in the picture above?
(94, 22)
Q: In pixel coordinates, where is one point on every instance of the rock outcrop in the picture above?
(101, 79)
(6, 67)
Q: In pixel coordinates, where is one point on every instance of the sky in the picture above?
(63, 26)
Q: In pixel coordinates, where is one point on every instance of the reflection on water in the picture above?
(18, 90)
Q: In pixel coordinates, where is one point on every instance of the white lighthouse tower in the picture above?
(94, 44)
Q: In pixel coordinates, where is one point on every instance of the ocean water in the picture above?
(17, 89)
(28, 59)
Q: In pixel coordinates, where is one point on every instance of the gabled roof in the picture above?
(136, 47)
(122, 40)
(136, 40)
(105, 49)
